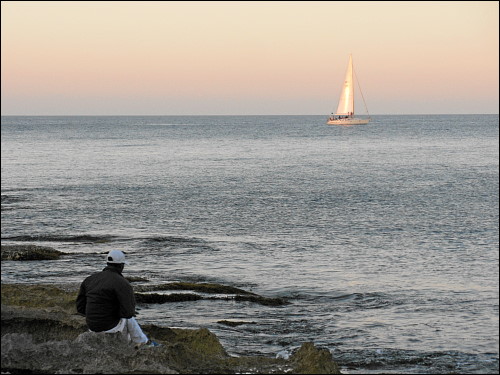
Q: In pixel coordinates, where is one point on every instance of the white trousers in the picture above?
(131, 329)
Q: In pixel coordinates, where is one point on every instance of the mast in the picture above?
(352, 70)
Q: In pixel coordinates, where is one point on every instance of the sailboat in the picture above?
(345, 109)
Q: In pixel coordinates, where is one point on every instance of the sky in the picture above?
(247, 58)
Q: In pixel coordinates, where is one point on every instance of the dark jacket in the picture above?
(105, 298)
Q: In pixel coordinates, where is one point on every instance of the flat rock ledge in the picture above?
(29, 252)
(42, 334)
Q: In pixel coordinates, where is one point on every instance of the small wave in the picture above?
(346, 297)
(355, 301)
(399, 361)
(10, 199)
(173, 240)
(375, 300)
(148, 242)
(194, 245)
(85, 238)
(14, 202)
(134, 145)
(168, 124)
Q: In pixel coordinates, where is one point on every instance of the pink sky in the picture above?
(241, 58)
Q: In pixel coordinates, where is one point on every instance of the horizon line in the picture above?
(219, 115)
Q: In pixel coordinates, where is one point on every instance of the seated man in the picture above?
(107, 301)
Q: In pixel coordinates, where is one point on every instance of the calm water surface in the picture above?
(383, 237)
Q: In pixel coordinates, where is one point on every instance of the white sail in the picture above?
(345, 109)
(346, 102)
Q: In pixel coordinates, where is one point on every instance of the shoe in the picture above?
(148, 344)
(152, 343)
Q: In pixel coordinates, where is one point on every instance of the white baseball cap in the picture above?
(116, 256)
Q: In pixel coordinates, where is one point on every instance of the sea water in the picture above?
(383, 237)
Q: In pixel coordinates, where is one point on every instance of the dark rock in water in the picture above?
(183, 297)
(263, 300)
(40, 336)
(232, 323)
(231, 293)
(134, 279)
(163, 298)
(197, 287)
(29, 252)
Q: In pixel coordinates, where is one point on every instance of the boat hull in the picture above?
(349, 121)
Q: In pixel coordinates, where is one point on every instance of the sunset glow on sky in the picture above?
(243, 58)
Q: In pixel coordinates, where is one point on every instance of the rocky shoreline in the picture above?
(43, 334)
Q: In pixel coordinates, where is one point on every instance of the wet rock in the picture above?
(29, 252)
(312, 360)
